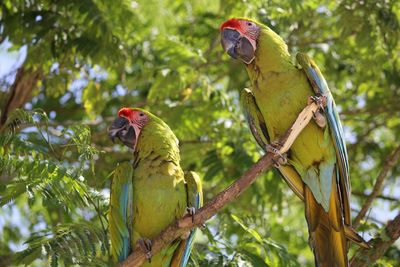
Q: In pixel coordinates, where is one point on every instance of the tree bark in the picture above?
(20, 91)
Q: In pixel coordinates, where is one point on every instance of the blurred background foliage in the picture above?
(72, 64)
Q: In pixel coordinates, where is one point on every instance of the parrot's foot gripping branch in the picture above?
(318, 115)
(318, 99)
(145, 244)
(274, 148)
(191, 211)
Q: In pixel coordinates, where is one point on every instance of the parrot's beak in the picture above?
(125, 132)
(229, 39)
(237, 45)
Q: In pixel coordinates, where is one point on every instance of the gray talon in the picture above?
(274, 148)
(281, 161)
(319, 118)
(318, 99)
(191, 211)
(145, 244)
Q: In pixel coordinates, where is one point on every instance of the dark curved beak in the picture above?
(237, 45)
(229, 40)
(123, 130)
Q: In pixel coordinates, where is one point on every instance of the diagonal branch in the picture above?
(389, 163)
(381, 244)
(178, 228)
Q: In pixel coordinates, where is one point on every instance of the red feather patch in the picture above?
(124, 112)
(231, 23)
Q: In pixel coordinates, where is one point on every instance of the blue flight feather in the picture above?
(123, 204)
(189, 242)
(333, 118)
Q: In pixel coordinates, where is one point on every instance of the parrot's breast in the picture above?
(159, 198)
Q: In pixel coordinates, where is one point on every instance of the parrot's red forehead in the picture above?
(231, 23)
(125, 112)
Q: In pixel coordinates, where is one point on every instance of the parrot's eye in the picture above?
(249, 24)
(141, 114)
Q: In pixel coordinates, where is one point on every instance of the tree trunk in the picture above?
(20, 91)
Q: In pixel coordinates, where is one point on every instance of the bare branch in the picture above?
(186, 223)
(365, 257)
(383, 197)
(388, 164)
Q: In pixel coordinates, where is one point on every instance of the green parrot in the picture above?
(316, 168)
(152, 192)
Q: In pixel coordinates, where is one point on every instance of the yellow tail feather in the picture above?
(326, 229)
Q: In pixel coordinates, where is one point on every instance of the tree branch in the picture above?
(389, 163)
(178, 228)
(383, 197)
(365, 257)
(20, 91)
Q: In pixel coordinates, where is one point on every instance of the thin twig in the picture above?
(388, 164)
(383, 197)
(178, 228)
(370, 218)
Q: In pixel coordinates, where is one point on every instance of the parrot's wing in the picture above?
(320, 86)
(254, 118)
(194, 199)
(120, 211)
(259, 130)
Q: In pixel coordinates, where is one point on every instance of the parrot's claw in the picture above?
(191, 211)
(145, 244)
(319, 118)
(282, 160)
(274, 148)
(318, 99)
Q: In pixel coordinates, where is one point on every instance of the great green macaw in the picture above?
(317, 164)
(152, 192)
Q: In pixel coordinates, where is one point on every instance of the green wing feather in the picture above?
(254, 118)
(120, 211)
(259, 130)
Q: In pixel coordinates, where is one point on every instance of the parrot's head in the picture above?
(239, 38)
(128, 125)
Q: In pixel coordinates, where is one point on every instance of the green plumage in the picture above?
(280, 90)
(159, 192)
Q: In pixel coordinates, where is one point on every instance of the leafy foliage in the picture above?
(75, 243)
(97, 56)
